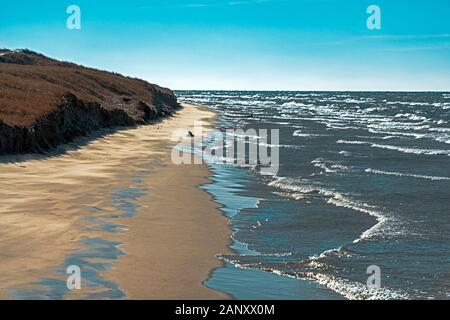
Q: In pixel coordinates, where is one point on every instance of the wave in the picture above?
(386, 224)
(299, 133)
(352, 142)
(398, 148)
(445, 130)
(329, 166)
(294, 104)
(438, 134)
(396, 133)
(352, 290)
(398, 174)
(411, 116)
(408, 103)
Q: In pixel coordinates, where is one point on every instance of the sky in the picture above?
(245, 44)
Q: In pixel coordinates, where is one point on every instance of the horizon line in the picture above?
(285, 90)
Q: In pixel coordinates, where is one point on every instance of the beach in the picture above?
(135, 223)
(141, 227)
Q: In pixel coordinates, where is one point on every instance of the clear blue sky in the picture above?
(245, 44)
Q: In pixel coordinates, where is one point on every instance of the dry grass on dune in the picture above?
(32, 85)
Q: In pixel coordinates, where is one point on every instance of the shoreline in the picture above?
(168, 220)
(163, 249)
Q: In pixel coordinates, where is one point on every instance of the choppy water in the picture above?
(364, 180)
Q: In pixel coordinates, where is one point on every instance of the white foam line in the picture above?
(398, 174)
(346, 203)
(397, 148)
(355, 290)
(337, 199)
(350, 289)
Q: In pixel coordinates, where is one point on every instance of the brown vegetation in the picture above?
(44, 102)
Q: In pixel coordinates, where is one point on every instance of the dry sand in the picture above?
(171, 244)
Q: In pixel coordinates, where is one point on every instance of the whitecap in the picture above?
(398, 148)
(399, 174)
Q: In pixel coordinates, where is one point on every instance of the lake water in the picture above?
(364, 180)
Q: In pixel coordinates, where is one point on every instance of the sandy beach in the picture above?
(120, 190)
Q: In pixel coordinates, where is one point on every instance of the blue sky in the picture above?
(245, 44)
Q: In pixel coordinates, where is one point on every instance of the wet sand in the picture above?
(172, 245)
(168, 244)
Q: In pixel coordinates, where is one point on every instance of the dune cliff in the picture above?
(46, 102)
